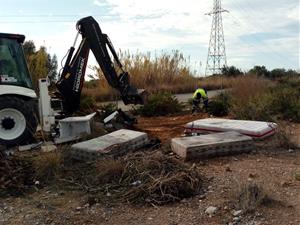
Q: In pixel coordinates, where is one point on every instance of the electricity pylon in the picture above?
(216, 58)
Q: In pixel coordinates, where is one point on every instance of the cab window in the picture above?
(13, 68)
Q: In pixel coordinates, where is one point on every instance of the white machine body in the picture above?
(17, 90)
(47, 115)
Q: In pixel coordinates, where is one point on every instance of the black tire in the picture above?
(28, 109)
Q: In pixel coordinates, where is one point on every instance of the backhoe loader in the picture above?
(22, 109)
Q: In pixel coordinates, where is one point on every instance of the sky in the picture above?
(257, 32)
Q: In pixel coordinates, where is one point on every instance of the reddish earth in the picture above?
(271, 167)
(166, 127)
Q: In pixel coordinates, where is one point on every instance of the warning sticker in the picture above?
(7, 79)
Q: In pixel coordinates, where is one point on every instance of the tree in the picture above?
(231, 71)
(259, 71)
(52, 66)
(40, 63)
(277, 73)
(29, 49)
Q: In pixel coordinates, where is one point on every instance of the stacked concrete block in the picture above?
(110, 145)
(211, 145)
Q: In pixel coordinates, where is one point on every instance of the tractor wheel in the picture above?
(18, 120)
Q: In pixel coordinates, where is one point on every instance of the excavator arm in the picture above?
(71, 78)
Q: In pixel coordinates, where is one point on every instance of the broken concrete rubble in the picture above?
(211, 145)
(255, 129)
(112, 145)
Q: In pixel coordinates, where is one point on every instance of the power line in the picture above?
(32, 21)
(50, 15)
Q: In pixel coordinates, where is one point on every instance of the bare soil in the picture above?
(270, 166)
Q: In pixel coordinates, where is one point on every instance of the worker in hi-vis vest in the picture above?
(199, 94)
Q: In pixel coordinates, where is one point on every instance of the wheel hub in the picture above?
(12, 124)
(8, 123)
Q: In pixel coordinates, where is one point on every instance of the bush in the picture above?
(286, 102)
(220, 105)
(160, 104)
(259, 100)
(258, 107)
(87, 102)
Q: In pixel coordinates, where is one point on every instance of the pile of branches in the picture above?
(145, 178)
(16, 175)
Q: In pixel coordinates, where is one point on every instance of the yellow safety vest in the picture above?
(202, 93)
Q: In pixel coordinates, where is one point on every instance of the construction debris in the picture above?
(255, 129)
(16, 175)
(110, 145)
(119, 120)
(23, 148)
(48, 147)
(211, 145)
(142, 177)
(73, 128)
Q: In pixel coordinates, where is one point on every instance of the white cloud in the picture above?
(164, 24)
(98, 3)
(156, 24)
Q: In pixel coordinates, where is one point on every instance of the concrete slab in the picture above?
(255, 129)
(211, 145)
(111, 145)
(73, 128)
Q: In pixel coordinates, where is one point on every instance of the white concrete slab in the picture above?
(211, 145)
(73, 128)
(255, 129)
(113, 144)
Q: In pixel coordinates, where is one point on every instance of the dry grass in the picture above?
(16, 175)
(217, 82)
(249, 196)
(169, 72)
(249, 86)
(164, 72)
(47, 166)
(251, 98)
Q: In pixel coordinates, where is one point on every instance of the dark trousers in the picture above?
(196, 104)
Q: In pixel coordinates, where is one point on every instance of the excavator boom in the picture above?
(71, 79)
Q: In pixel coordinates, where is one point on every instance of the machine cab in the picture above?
(13, 68)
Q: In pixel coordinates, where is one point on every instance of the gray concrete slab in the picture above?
(110, 145)
(211, 145)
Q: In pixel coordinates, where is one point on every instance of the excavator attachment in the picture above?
(71, 79)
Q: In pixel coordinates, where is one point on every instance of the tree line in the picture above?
(260, 71)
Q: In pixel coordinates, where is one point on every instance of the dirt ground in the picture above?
(271, 167)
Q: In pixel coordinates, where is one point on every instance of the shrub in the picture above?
(250, 100)
(87, 102)
(286, 102)
(258, 107)
(258, 99)
(160, 104)
(220, 105)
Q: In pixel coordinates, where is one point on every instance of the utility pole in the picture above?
(216, 58)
